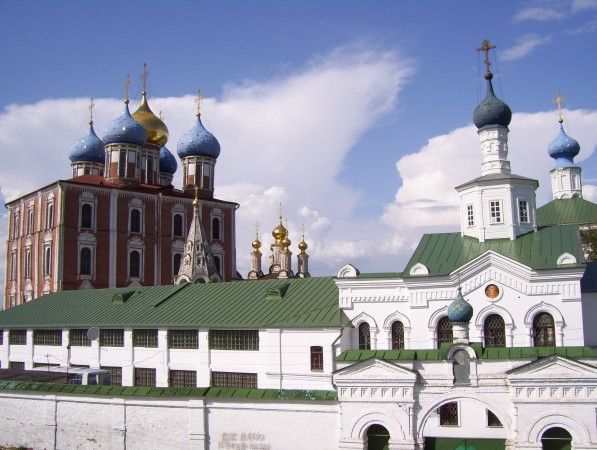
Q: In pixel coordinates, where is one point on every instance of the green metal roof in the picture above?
(309, 302)
(442, 253)
(142, 391)
(482, 353)
(567, 211)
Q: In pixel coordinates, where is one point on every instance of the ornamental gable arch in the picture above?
(579, 431)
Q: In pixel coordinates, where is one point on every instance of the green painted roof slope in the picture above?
(442, 253)
(567, 211)
(309, 302)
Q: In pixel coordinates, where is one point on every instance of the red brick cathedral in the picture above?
(118, 221)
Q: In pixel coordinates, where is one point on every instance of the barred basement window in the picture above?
(112, 337)
(493, 421)
(144, 377)
(316, 358)
(115, 374)
(183, 339)
(183, 378)
(234, 379)
(16, 365)
(47, 337)
(37, 364)
(145, 338)
(17, 337)
(234, 339)
(448, 414)
(78, 338)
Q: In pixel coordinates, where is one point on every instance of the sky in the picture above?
(356, 116)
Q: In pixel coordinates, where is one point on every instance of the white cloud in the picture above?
(543, 13)
(583, 5)
(526, 44)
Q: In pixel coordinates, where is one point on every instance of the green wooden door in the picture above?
(556, 439)
(378, 438)
(464, 444)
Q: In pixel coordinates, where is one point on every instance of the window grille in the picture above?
(115, 374)
(144, 377)
(495, 210)
(47, 337)
(397, 335)
(364, 336)
(316, 358)
(444, 331)
(234, 379)
(17, 337)
(183, 378)
(495, 331)
(111, 337)
(544, 330)
(492, 420)
(523, 211)
(145, 338)
(234, 339)
(470, 215)
(183, 339)
(78, 338)
(448, 414)
(16, 365)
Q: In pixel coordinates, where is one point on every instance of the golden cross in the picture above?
(257, 231)
(485, 48)
(280, 211)
(303, 231)
(559, 100)
(198, 102)
(91, 105)
(162, 116)
(127, 83)
(144, 76)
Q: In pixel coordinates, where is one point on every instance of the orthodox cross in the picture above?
(257, 230)
(91, 105)
(162, 116)
(198, 102)
(144, 77)
(303, 231)
(280, 212)
(485, 48)
(559, 100)
(127, 83)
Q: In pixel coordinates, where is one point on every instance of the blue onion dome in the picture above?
(125, 130)
(89, 148)
(460, 310)
(168, 162)
(563, 149)
(157, 131)
(491, 111)
(198, 142)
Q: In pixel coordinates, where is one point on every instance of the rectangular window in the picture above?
(317, 359)
(470, 216)
(37, 364)
(16, 365)
(47, 337)
(523, 211)
(144, 377)
(115, 374)
(112, 337)
(145, 338)
(27, 263)
(47, 261)
(30, 223)
(183, 378)
(17, 337)
(234, 339)
(495, 211)
(78, 338)
(13, 266)
(448, 414)
(183, 339)
(234, 379)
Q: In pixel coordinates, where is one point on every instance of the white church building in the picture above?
(485, 341)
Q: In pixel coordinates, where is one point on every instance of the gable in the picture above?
(374, 369)
(553, 367)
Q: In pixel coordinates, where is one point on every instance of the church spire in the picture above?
(256, 271)
(303, 258)
(197, 264)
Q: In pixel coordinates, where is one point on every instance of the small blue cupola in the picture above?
(198, 142)
(168, 162)
(563, 149)
(125, 130)
(491, 111)
(88, 148)
(460, 310)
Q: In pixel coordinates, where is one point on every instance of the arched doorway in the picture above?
(378, 438)
(556, 438)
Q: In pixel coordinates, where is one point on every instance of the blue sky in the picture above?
(356, 115)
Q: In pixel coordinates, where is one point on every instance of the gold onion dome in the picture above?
(256, 244)
(157, 131)
(279, 233)
(303, 246)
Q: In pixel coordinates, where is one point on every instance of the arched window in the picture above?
(215, 228)
(28, 263)
(134, 264)
(135, 221)
(85, 261)
(177, 226)
(50, 216)
(397, 335)
(495, 331)
(47, 261)
(544, 330)
(86, 216)
(218, 264)
(444, 331)
(364, 336)
(176, 266)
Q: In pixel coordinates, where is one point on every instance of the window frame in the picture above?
(145, 337)
(17, 337)
(490, 339)
(182, 378)
(144, 376)
(183, 339)
(111, 337)
(548, 341)
(364, 336)
(77, 337)
(49, 337)
(443, 329)
(316, 352)
(523, 211)
(449, 415)
(239, 340)
(398, 342)
(86, 221)
(136, 221)
(470, 215)
(178, 224)
(135, 267)
(89, 272)
(244, 380)
(495, 212)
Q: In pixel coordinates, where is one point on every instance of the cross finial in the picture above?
(127, 83)
(559, 100)
(303, 231)
(198, 102)
(162, 116)
(144, 77)
(485, 48)
(257, 230)
(196, 200)
(91, 105)
(280, 212)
